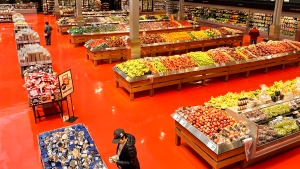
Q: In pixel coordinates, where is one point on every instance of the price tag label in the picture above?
(217, 65)
(181, 71)
(262, 106)
(269, 57)
(280, 101)
(237, 62)
(173, 72)
(161, 74)
(248, 110)
(183, 122)
(296, 97)
(176, 117)
(211, 146)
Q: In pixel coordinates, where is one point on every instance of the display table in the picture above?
(82, 38)
(69, 147)
(208, 153)
(150, 82)
(26, 11)
(155, 49)
(56, 102)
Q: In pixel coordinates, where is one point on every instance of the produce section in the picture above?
(152, 44)
(219, 64)
(82, 35)
(270, 124)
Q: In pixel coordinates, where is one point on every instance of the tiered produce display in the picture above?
(271, 120)
(124, 27)
(165, 38)
(222, 55)
(200, 66)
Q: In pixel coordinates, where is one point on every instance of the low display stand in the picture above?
(215, 160)
(170, 48)
(78, 39)
(150, 82)
(69, 147)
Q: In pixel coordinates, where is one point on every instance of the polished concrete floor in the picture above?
(102, 108)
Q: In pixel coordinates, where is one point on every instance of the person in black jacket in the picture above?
(126, 151)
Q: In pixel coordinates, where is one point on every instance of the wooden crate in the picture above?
(103, 55)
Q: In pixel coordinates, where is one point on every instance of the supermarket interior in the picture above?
(180, 76)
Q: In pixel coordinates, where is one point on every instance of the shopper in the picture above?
(126, 152)
(47, 31)
(254, 34)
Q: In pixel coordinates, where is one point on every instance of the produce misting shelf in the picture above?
(150, 82)
(261, 152)
(79, 39)
(154, 49)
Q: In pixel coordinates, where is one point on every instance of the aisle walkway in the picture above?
(102, 108)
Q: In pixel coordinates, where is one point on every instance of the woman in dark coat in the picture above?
(126, 151)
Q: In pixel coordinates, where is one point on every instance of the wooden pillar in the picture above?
(180, 15)
(297, 35)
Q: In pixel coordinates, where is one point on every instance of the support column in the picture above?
(134, 42)
(56, 9)
(274, 31)
(181, 10)
(297, 35)
(79, 16)
(249, 18)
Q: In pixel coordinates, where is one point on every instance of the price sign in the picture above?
(269, 57)
(248, 110)
(181, 71)
(296, 97)
(183, 122)
(173, 72)
(222, 64)
(262, 106)
(237, 62)
(176, 117)
(161, 74)
(211, 146)
(217, 65)
(280, 101)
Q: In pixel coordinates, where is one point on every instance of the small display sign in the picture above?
(66, 83)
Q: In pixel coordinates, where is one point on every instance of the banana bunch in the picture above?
(133, 68)
(159, 66)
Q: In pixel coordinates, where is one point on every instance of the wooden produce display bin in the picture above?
(150, 82)
(63, 29)
(170, 48)
(79, 39)
(111, 53)
(218, 156)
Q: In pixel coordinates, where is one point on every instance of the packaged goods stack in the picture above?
(26, 36)
(33, 53)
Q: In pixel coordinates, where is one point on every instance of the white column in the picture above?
(134, 24)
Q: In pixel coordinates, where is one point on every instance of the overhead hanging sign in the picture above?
(66, 83)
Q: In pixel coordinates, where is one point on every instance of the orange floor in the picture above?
(102, 108)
